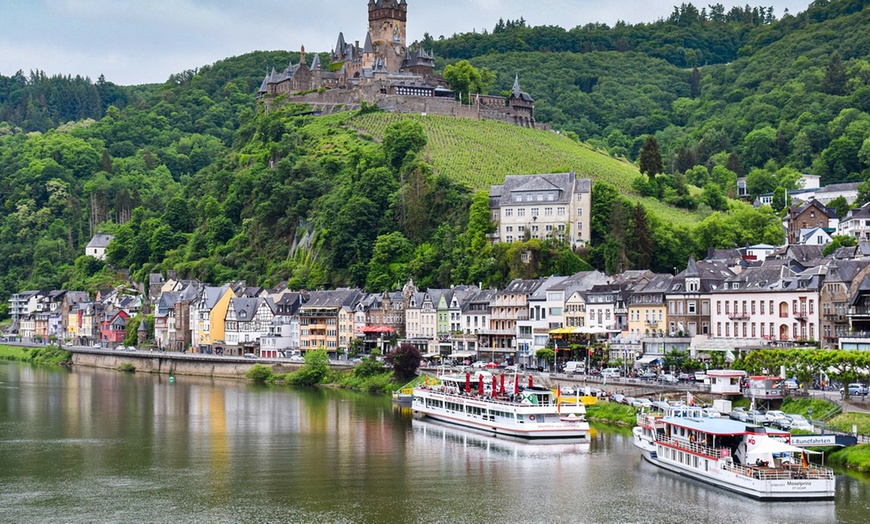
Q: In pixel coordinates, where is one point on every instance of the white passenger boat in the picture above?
(482, 402)
(736, 456)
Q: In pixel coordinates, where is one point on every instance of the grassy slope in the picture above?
(480, 153)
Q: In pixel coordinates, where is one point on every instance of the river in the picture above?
(100, 446)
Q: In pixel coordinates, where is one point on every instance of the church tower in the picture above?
(388, 21)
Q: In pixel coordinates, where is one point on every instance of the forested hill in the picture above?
(190, 176)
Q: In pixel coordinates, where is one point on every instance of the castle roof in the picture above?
(368, 48)
(518, 94)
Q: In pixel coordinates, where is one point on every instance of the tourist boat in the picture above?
(480, 401)
(744, 458)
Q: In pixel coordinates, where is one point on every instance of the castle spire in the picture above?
(517, 91)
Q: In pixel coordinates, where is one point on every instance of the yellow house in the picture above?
(647, 310)
(575, 310)
(215, 322)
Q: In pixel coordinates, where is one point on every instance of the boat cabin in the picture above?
(726, 381)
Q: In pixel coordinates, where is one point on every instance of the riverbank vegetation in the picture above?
(370, 376)
(612, 413)
(52, 355)
(856, 458)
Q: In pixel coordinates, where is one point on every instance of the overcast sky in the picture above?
(145, 41)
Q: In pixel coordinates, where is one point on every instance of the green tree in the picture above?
(402, 139)
(465, 79)
(389, 263)
(651, 158)
(837, 242)
(835, 79)
(313, 371)
(840, 206)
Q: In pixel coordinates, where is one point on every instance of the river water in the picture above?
(99, 446)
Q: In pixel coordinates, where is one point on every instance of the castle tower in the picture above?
(388, 21)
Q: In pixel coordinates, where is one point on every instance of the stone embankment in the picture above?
(175, 363)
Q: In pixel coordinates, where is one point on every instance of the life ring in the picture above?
(531, 417)
(748, 472)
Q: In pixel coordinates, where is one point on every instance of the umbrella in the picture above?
(480, 384)
(491, 365)
(468, 382)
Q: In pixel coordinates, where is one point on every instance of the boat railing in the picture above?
(504, 401)
(785, 472)
(694, 447)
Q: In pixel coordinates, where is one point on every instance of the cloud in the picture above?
(135, 41)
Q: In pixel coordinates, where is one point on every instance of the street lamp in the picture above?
(810, 414)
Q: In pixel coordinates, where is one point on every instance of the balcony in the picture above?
(859, 311)
(652, 323)
(738, 316)
(800, 315)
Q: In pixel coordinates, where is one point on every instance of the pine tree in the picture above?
(695, 83)
(641, 238)
(835, 76)
(650, 158)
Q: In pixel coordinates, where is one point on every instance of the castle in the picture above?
(387, 73)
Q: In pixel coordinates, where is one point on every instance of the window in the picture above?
(521, 212)
(718, 307)
(521, 229)
(540, 198)
(560, 211)
(692, 307)
(508, 212)
(509, 229)
(536, 211)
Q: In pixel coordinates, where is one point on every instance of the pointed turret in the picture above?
(315, 64)
(302, 56)
(369, 48)
(516, 91)
(692, 268)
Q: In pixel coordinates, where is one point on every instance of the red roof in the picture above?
(378, 329)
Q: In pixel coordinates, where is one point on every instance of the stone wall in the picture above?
(174, 364)
(337, 100)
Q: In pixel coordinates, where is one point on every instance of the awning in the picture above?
(562, 331)
(594, 330)
(463, 354)
(646, 359)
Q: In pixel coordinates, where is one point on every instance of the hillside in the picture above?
(481, 153)
(190, 176)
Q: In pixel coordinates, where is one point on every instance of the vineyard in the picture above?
(480, 153)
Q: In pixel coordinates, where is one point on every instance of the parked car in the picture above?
(667, 378)
(611, 373)
(618, 398)
(856, 389)
(628, 401)
(738, 414)
(297, 358)
(798, 422)
(775, 417)
(479, 365)
(791, 383)
(757, 417)
(648, 376)
(685, 377)
(642, 403)
(250, 355)
(711, 413)
(700, 376)
(510, 369)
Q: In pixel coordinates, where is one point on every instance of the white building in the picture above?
(771, 303)
(97, 246)
(856, 223)
(542, 206)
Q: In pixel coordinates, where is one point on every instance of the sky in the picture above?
(145, 41)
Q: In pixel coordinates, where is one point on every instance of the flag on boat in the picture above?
(804, 461)
(690, 399)
(558, 400)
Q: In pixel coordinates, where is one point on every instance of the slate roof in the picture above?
(566, 183)
(246, 308)
(100, 241)
(838, 188)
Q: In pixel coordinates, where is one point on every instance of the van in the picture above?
(611, 373)
(573, 366)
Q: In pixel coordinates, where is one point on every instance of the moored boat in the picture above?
(744, 458)
(482, 402)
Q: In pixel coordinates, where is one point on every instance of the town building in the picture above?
(97, 246)
(555, 206)
(812, 214)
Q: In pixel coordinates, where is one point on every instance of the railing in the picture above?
(859, 311)
(786, 472)
(738, 316)
(714, 453)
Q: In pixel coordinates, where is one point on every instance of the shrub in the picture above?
(369, 368)
(259, 373)
(313, 371)
(127, 367)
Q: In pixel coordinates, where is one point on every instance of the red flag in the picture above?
(804, 461)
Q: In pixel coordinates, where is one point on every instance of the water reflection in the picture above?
(100, 446)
